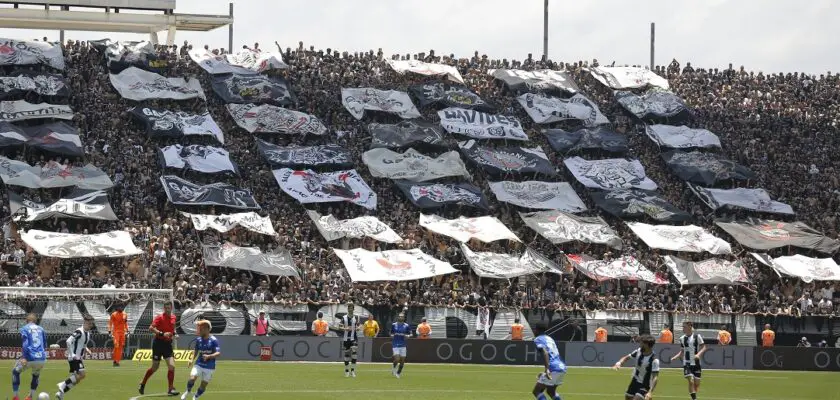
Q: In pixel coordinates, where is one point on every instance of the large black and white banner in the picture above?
(311, 187)
(545, 110)
(749, 199)
(688, 238)
(228, 222)
(23, 52)
(506, 266)
(332, 228)
(23, 82)
(559, 227)
(256, 89)
(121, 55)
(428, 69)
(544, 80)
(654, 104)
(705, 168)
(176, 124)
(136, 84)
(434, 195)
(406, 134)
(765, 234)
(600, 138)
(628, 77)
(505, 160)
(479, 125)
(806, 268)
(613, 173)
(413, 165)
(359, 100)
(539, 195)
(485, 229)
(22, 110)
(183, 192)
(391, 265)
(638, 203)
(58, 137)
(53, 175)
(68, 245)
(331, 155)
(82, 204)
(449, 95)
(626, 268)
(246, 62)
(277, 263)
(267, 118)
(714, 271)
(199, 158)
(681, 137)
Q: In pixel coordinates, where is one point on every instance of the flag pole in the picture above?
(545, 31)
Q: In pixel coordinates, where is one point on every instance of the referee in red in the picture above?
(163, 328)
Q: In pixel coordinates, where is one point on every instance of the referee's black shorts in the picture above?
(162, 350)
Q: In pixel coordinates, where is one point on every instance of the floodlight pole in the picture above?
(652, 44)
(545, 31)
(230, 30)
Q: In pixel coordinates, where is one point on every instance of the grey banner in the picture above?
(284, 348)
(606, 354)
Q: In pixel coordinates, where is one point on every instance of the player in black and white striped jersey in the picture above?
(692, 351)
(645, 373)
(350, 325)
(77, 348)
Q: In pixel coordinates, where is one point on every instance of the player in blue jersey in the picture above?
(555, 368)
(33, 356)
(400, 330)
(207, 349)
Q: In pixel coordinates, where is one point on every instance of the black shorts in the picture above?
(76, 366)
(637, 389)
(692, 371)
(350, 343)
(162, 350)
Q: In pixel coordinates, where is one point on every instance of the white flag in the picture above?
(391, 265)
(462, 229)
(689, 238)
(332, 228)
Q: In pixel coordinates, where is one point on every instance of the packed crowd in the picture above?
(783, 126)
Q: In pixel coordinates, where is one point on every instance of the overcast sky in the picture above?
(768, 35)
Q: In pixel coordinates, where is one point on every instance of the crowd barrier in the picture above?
(797, 359)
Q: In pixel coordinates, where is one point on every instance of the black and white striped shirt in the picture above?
(77, 343)
(690, 347)
(645, 366)
(352, 322)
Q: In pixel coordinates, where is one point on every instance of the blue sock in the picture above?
(541, 396)
(15, 380)
(190, 386)
(199, 392)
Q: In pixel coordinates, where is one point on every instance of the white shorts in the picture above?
(202, 373)
(35, 366)
(556, 379)
(399, 351)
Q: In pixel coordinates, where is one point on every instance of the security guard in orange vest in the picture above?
(516, 330)
(724, 337)
(600, 335)
(319, 326)
(424, 331)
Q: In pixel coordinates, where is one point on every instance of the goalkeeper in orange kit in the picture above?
(118, 329)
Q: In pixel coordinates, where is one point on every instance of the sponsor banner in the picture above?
(705, 168)
(121, 55)
(256, 89)
(178, 355)
(96, 353)
(559, 227)
(682, 137)
(136, 84)
(506, 266)
(750, 199)
(600, 138)
(448, 95)
(545, 110)
(766, 234)
(463, 229)
(359, 100)
(391, 265)
(332, 228)
(714, 271)
(58, 137)
(428, 69)
(24, 52)
(688, 238)
(806, 268)
(412, 165)
(626, 268)
(480, 125)
(246, 62)
(277, 263)
(434, 195)
(308, 186)
(797, 359)
(498, 161)
(544, 80)
(183, 192)
(443, 351)
(22, 82)
(406, 134)
(628, 77)
(177, 124)
(638, 203)
(539, 195)
(266, 118)
(654, 104)
(287, 348)
(205, 159)
(613, 173)
(586, 354)
(68, 245)
(23, 110)
(85, 204)
(316, 156)
(53, 175)
(228, 222)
